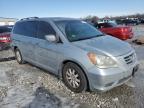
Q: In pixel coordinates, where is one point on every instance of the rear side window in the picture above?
(44, 28)
(28, 28)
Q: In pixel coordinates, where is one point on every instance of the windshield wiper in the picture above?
(84, 38)
(100, 35)
(89, 37)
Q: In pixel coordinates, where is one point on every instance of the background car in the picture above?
(142, 21)
(5, 36)
(131, 22)
(121, 32)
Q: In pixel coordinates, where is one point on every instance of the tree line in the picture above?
(139, 16)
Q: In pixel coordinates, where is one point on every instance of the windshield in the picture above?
(4, 29)
(110, 25)
(76, 30)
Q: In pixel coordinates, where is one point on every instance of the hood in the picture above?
(105, 44)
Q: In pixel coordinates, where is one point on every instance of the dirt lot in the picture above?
(25, 86)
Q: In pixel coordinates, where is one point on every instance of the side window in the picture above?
(18, 28)
(100, 26)
(44, 28)
(27, 28)
(30, 28)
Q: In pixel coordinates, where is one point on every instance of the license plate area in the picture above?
(131, 72)
(135, 69)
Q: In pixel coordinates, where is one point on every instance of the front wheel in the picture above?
(74, 77)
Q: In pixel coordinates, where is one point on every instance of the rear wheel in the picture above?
(18, 56)
(74, 77)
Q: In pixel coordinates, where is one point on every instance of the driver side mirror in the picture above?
(51, 38)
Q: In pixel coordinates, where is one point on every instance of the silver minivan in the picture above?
(83, 57)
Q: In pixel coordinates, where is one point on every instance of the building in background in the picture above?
(7, 21)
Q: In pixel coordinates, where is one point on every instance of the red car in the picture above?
(4, 37)
(121, 32)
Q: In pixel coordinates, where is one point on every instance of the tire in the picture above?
(18, 56)
(74, 77)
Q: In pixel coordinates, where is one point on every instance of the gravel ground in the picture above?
(25, 86)
(138, 30)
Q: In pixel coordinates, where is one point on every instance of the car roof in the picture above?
(58, 18)
(48, 19)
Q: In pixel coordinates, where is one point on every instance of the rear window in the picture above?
(27, 28)
(106, 25)
(4, 29)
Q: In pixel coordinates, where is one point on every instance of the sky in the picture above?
(69, 8)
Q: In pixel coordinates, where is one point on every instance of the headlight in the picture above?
(102, 61)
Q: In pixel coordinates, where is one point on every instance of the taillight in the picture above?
(124, 29)
(5, 37)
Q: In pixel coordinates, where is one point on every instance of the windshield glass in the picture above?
(110, 24)
(4, 29)
(77, 30)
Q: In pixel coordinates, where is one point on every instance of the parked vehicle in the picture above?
(119, 21)
(121, 32)
(130, 22)
(142, 21)
(4, 37)
(75, 51)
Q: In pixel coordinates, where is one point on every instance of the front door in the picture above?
(46, 52)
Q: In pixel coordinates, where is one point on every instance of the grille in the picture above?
(129, 59)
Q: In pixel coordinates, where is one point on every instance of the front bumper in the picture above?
(106, 79)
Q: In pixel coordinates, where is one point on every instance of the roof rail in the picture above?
(29, 18)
